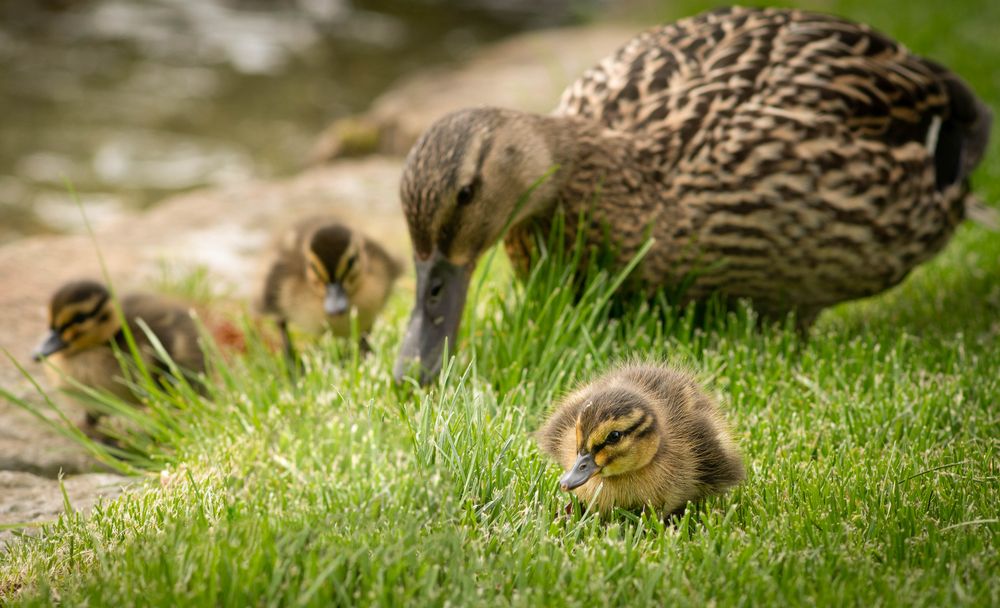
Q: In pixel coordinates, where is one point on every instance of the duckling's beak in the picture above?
(336, 301)
(441, 291)
(582, 470)
(52, 344)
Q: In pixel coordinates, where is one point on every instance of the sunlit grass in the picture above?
(872, 450)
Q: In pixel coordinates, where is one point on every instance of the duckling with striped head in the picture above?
(85, 328)
(323, 270)
(642, 436)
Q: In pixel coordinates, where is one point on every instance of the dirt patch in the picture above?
(29, 498)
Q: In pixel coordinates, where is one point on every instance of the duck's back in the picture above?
(794, 158)
(676, 82)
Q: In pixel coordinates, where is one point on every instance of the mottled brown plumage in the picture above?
(322, 270)
(792, 158)
(648, 434)
(85, 328)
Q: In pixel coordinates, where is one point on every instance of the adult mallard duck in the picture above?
(323, 270)
(85, 327)
(792, 158)
(648, 434)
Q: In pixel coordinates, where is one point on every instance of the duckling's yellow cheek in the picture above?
(602, 458)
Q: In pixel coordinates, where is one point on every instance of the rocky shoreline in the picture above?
(227, 231)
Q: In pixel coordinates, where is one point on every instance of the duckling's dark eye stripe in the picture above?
(625, 433)
(80, 317)
(645, 431)
(319, 271)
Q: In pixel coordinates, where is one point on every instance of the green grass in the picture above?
(872, 450)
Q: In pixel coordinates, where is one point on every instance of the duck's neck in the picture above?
(608, 177)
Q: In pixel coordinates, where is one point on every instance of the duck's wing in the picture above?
(675, 84)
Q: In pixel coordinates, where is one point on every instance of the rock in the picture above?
(29, 498)
(28, 445)
(526, 72)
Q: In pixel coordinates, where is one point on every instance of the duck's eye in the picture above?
(613, 437)
(350, 263)
(465, 194)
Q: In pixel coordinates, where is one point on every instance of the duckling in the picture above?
(85, 326)
(649, 434)
(791, 158)
(323, 270)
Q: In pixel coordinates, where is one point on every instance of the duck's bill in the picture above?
(52, 344)
(441, 290)
(336, 301)
(580, 473)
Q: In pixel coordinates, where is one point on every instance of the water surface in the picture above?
(126, 102)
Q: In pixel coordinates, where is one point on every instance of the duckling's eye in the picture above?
(613, 437)
(466, 194)
(350, 263)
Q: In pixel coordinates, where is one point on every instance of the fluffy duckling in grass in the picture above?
(323, 270)
(649, 434)
(85, 326)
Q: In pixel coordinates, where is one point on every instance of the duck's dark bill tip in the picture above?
(440, 298)
(412, 369)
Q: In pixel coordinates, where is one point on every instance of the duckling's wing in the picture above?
(286, 267)
(718, 463)
(172, 325)
(737, 64)
(393, 267)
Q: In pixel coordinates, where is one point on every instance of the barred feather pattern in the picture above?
(794, 158)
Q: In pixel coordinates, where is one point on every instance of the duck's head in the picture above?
(471, 175)
(81, 316)
(617, 432)
(335, 261)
